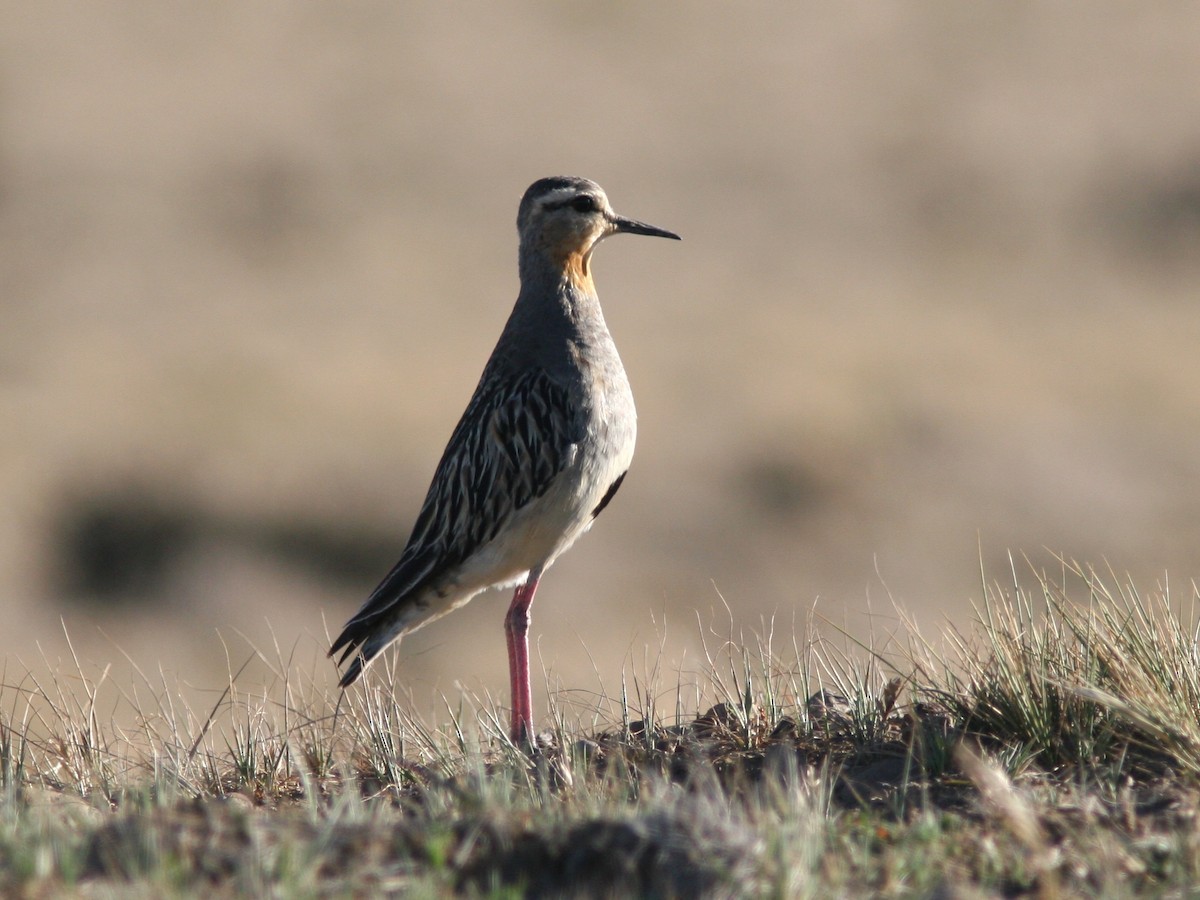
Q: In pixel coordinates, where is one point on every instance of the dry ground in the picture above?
(1052, 751)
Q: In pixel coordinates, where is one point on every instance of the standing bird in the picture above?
(539, 452)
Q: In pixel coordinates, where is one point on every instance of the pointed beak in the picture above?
(621, 225)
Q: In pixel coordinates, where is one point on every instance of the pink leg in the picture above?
(516, 629)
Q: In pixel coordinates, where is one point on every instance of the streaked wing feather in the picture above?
(511, 442)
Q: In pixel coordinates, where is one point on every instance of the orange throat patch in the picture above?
(577, 267)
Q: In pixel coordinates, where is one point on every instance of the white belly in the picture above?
(541, 531)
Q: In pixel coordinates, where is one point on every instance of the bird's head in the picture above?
(563, 218)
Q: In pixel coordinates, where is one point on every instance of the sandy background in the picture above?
(937, 292)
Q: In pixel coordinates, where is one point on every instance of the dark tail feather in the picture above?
(364, 634)
(351, 674)
(352, 640)
(345, 639)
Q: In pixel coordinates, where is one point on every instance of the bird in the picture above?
(541, 449)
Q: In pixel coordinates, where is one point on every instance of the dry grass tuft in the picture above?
(1052, 750)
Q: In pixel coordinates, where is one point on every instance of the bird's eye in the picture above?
(584, 204)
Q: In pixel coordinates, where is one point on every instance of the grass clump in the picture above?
(1051, 750)
(1107, 681)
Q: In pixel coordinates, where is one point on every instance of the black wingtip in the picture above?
(351, 674)
(348, 643)
(341, 641)
(609, 494)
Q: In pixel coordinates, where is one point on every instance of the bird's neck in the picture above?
(548, 270)
(560, 285)
(558, 306)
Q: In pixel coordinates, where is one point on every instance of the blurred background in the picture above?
(936, 301)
